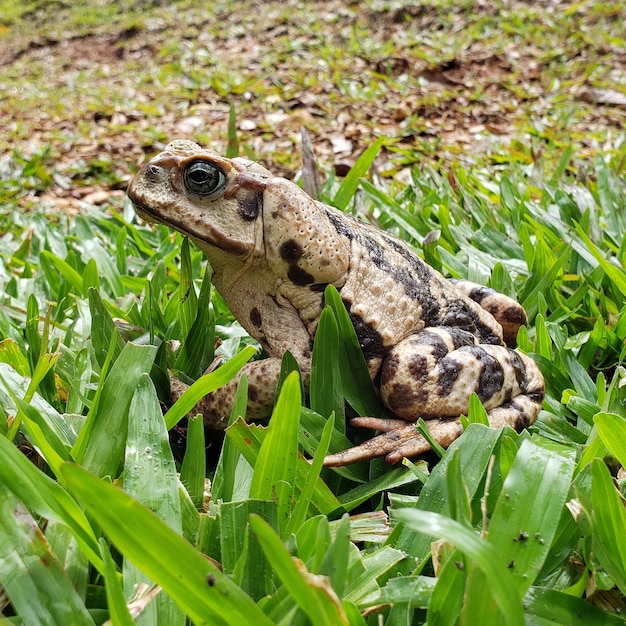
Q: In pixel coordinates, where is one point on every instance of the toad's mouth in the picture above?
(202, 233)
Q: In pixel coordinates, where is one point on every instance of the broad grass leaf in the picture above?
(193, 468)
(307, 489)
(389, 481)
(527, 514)
(187, 296)
(346, 191)
(312, 426)
(199, 341)
(415, 591)
(72, 558)
(476, 447)
(612, 431)
(615, 273)
(11, 353)
(29, 570)
(194, 583)
(357, 384)
(42, 436)
(551, 607)
(337, 557)
(313, 594)
(248, 439)
(326, 395)
(116, 603)
(447, 598)
(608, 523)
(205, 385)
(460, 505)
(482, 553)
(100, 445)
(363, 576)
(242, 557)
(73, 277)
(103, 330)
(275, 467)
(224, 478)
(150, 478)
(46, 498)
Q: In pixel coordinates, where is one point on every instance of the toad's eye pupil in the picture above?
(199, 176)
(204, 179)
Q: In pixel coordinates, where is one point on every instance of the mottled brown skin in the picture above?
(429, 343)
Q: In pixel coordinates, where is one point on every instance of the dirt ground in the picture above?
(91, 91)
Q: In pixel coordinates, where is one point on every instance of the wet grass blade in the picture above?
(608, 522)
(275, 467)
(484, 555)
(29, 570)
(103, 436)
(46, 498)
(205, 385)
(150, 477)
(313, 594)
(193, 582)
(529, 508)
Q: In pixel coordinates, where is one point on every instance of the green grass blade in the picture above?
(484, 555)
(313, 594)
(608, 523)
(46, 498)
(275, 468)
(193, 468)
(357, 384)
(205, 385)
(29, 570)
(307, 489)
(529, 508)
(612, 431)
(224, 479)
(242, 557)
(73, 277)
(194, 583)
(107, 426)
(616, 274)
(447, 600)
(550, 607)
(103, 330)
(68, 550)
(345, 193)
(476, 447)
(325, 388)
(248, 439)
(118, 609)
(150, 477)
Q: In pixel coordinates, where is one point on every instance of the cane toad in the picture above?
(428, 342)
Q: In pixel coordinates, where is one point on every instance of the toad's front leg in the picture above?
(262, 377)
(432, 375)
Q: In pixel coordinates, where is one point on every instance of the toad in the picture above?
(429, 343)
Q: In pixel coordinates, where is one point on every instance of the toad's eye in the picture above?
(204, 179)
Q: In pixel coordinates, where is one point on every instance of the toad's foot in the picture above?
(399, 440)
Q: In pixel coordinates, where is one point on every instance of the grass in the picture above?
(101, 507)
(529, 522)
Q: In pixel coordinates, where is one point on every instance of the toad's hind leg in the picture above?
(508, 313)
(433, 374)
